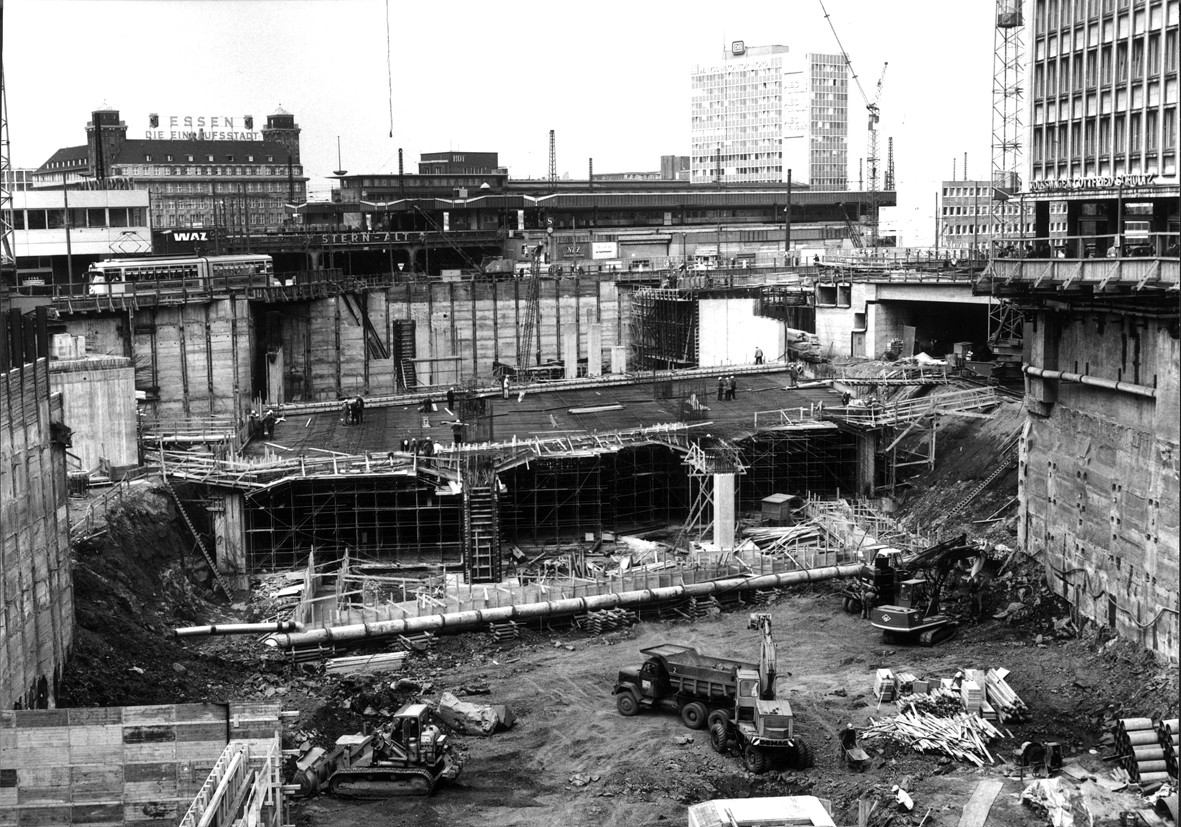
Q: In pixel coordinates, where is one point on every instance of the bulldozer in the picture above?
(761, 724)
(409, 755)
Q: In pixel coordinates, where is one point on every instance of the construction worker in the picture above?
(451, 398)
(457, 433)
(721, 388)
(758, 356)
(733, 388)
(358, 410)
(268, 424)
(792, 375)
(504, 385)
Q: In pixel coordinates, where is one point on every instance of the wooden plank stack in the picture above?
(963, 737)
(1138, 741)
(508, 630)
(1001, 697)
(607, 620)
(355, 664)
(1168, 740)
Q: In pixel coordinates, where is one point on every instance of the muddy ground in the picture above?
(572, 759)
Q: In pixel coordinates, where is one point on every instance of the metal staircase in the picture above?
(1009, 454)
(481, 534)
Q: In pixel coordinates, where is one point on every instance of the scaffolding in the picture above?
(665, 326)
(705, 460)
(804, 458)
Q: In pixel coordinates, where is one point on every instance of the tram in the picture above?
(190, 274)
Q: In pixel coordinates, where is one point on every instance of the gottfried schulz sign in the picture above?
(1101, 182)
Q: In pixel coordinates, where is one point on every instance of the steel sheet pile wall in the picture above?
(1099, 471)
(36, 590)
(134, 765)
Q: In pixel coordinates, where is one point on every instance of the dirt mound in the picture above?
(133, 583)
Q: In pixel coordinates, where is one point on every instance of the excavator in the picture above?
(409, 755)
(761, 724)
(918, 580)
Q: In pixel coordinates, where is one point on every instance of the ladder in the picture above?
(481, 553)
(185, 516)
(532, 302)
(1010, 456)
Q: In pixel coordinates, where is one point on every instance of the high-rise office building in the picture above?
(1103, 133)
(764, 110)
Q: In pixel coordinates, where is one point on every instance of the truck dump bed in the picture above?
(692, 673)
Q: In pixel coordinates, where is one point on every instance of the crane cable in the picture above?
(388, 70)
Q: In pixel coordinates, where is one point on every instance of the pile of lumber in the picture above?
(1002, 698)
(353, 664)
(773, 539)
(508, 630)
(963, 737)
(606, 620)
(940, 702)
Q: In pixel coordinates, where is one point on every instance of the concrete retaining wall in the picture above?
(36, 590)
(1099, 472)
(98, 405)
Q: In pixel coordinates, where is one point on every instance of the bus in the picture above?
(189, 274)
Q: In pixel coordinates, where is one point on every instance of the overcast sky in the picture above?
(611, 78)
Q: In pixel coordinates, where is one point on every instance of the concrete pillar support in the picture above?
(724, 518)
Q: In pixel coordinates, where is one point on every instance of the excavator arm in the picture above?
(767, 668)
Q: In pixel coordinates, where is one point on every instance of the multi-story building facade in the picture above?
(204, 171)
(1097, 485)
(765, 110)
(964, 214)
(1103, 136)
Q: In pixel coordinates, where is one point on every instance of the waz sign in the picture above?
(190, 235)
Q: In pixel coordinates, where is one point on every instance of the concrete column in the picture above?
(228, 513)
(570, 352)
(275, 378)
(594, 350)
(724, 511)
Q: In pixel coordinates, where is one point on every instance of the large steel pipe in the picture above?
(239, 629)
(569, 605)
(1086, 379)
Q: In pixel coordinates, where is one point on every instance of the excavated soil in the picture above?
(571, 759)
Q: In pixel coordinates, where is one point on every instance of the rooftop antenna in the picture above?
(340, 167)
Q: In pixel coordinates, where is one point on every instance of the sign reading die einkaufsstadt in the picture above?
(202, 127)
(1098, 182)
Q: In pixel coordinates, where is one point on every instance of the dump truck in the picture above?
(760, 723)
(680, 679)
(409, 755)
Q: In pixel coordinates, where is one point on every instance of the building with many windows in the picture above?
(765, 110)
(1103, 136)
(964, 213)
(200, 172)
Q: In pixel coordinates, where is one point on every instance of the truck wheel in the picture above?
(755, 759)
(719, 736)
(802, 755)
(626, 704)
(715, 717)
(694, 715)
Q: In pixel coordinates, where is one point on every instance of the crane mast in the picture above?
(532, 303)
(873, 112)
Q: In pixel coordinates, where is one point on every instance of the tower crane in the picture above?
(873, 111)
